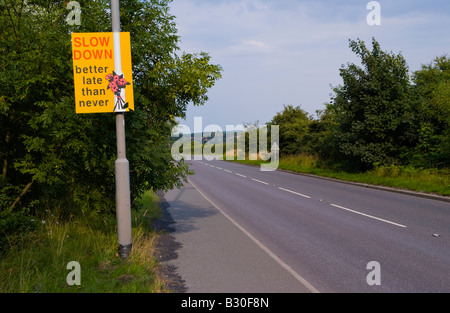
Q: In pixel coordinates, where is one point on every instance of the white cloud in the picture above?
(254, 43)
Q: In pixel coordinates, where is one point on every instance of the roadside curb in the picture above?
(377, 187)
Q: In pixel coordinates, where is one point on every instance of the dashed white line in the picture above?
(308, 197)
(367, 215)
(295, 193)
(260, 181)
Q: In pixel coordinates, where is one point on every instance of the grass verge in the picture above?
(38, 262)
(421, 180)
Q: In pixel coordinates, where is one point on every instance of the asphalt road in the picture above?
(243, 230)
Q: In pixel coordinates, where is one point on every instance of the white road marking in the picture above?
(260, 181)
(228, 171)
(295, 193)
(367, 215)
(240, 175)
(259, 244)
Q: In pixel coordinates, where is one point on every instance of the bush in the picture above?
(58, 158)
(13, 227)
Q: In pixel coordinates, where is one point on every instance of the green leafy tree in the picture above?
(52, 157)
(293, 125)
(319, 139)
(432, 86)
(373, 109)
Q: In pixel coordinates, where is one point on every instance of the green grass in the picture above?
(421, 180)
(38, 262)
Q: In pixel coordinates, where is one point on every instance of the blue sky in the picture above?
(281, 52)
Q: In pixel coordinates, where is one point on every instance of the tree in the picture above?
(432, 87)
(373, 109)
(52, 157)
(319, 139)
(293, 126)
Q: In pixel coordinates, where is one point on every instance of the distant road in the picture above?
(325, 234)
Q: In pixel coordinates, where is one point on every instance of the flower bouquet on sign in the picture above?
(116, 84)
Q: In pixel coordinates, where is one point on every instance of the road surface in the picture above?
(243, 230)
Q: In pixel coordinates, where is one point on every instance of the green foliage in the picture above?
(13, 226)
(373, 109)
(52, 157)
(401, 177)
(293, 126)
(377, 119)
(432, 86)
(37, 262)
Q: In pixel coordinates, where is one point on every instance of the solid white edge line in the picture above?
(260, 181)
(367, 215)
(259, 244)
(296, 193)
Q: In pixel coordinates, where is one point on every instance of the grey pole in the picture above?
(123, 201)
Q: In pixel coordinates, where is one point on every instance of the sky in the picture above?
(289, 52)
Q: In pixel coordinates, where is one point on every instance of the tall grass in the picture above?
(38, 263)
(423, 180)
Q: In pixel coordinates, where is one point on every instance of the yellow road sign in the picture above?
(102, 72)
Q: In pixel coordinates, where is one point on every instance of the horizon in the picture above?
(288, 52)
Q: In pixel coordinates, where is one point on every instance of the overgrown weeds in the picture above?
(435, 181)
(37, 262)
